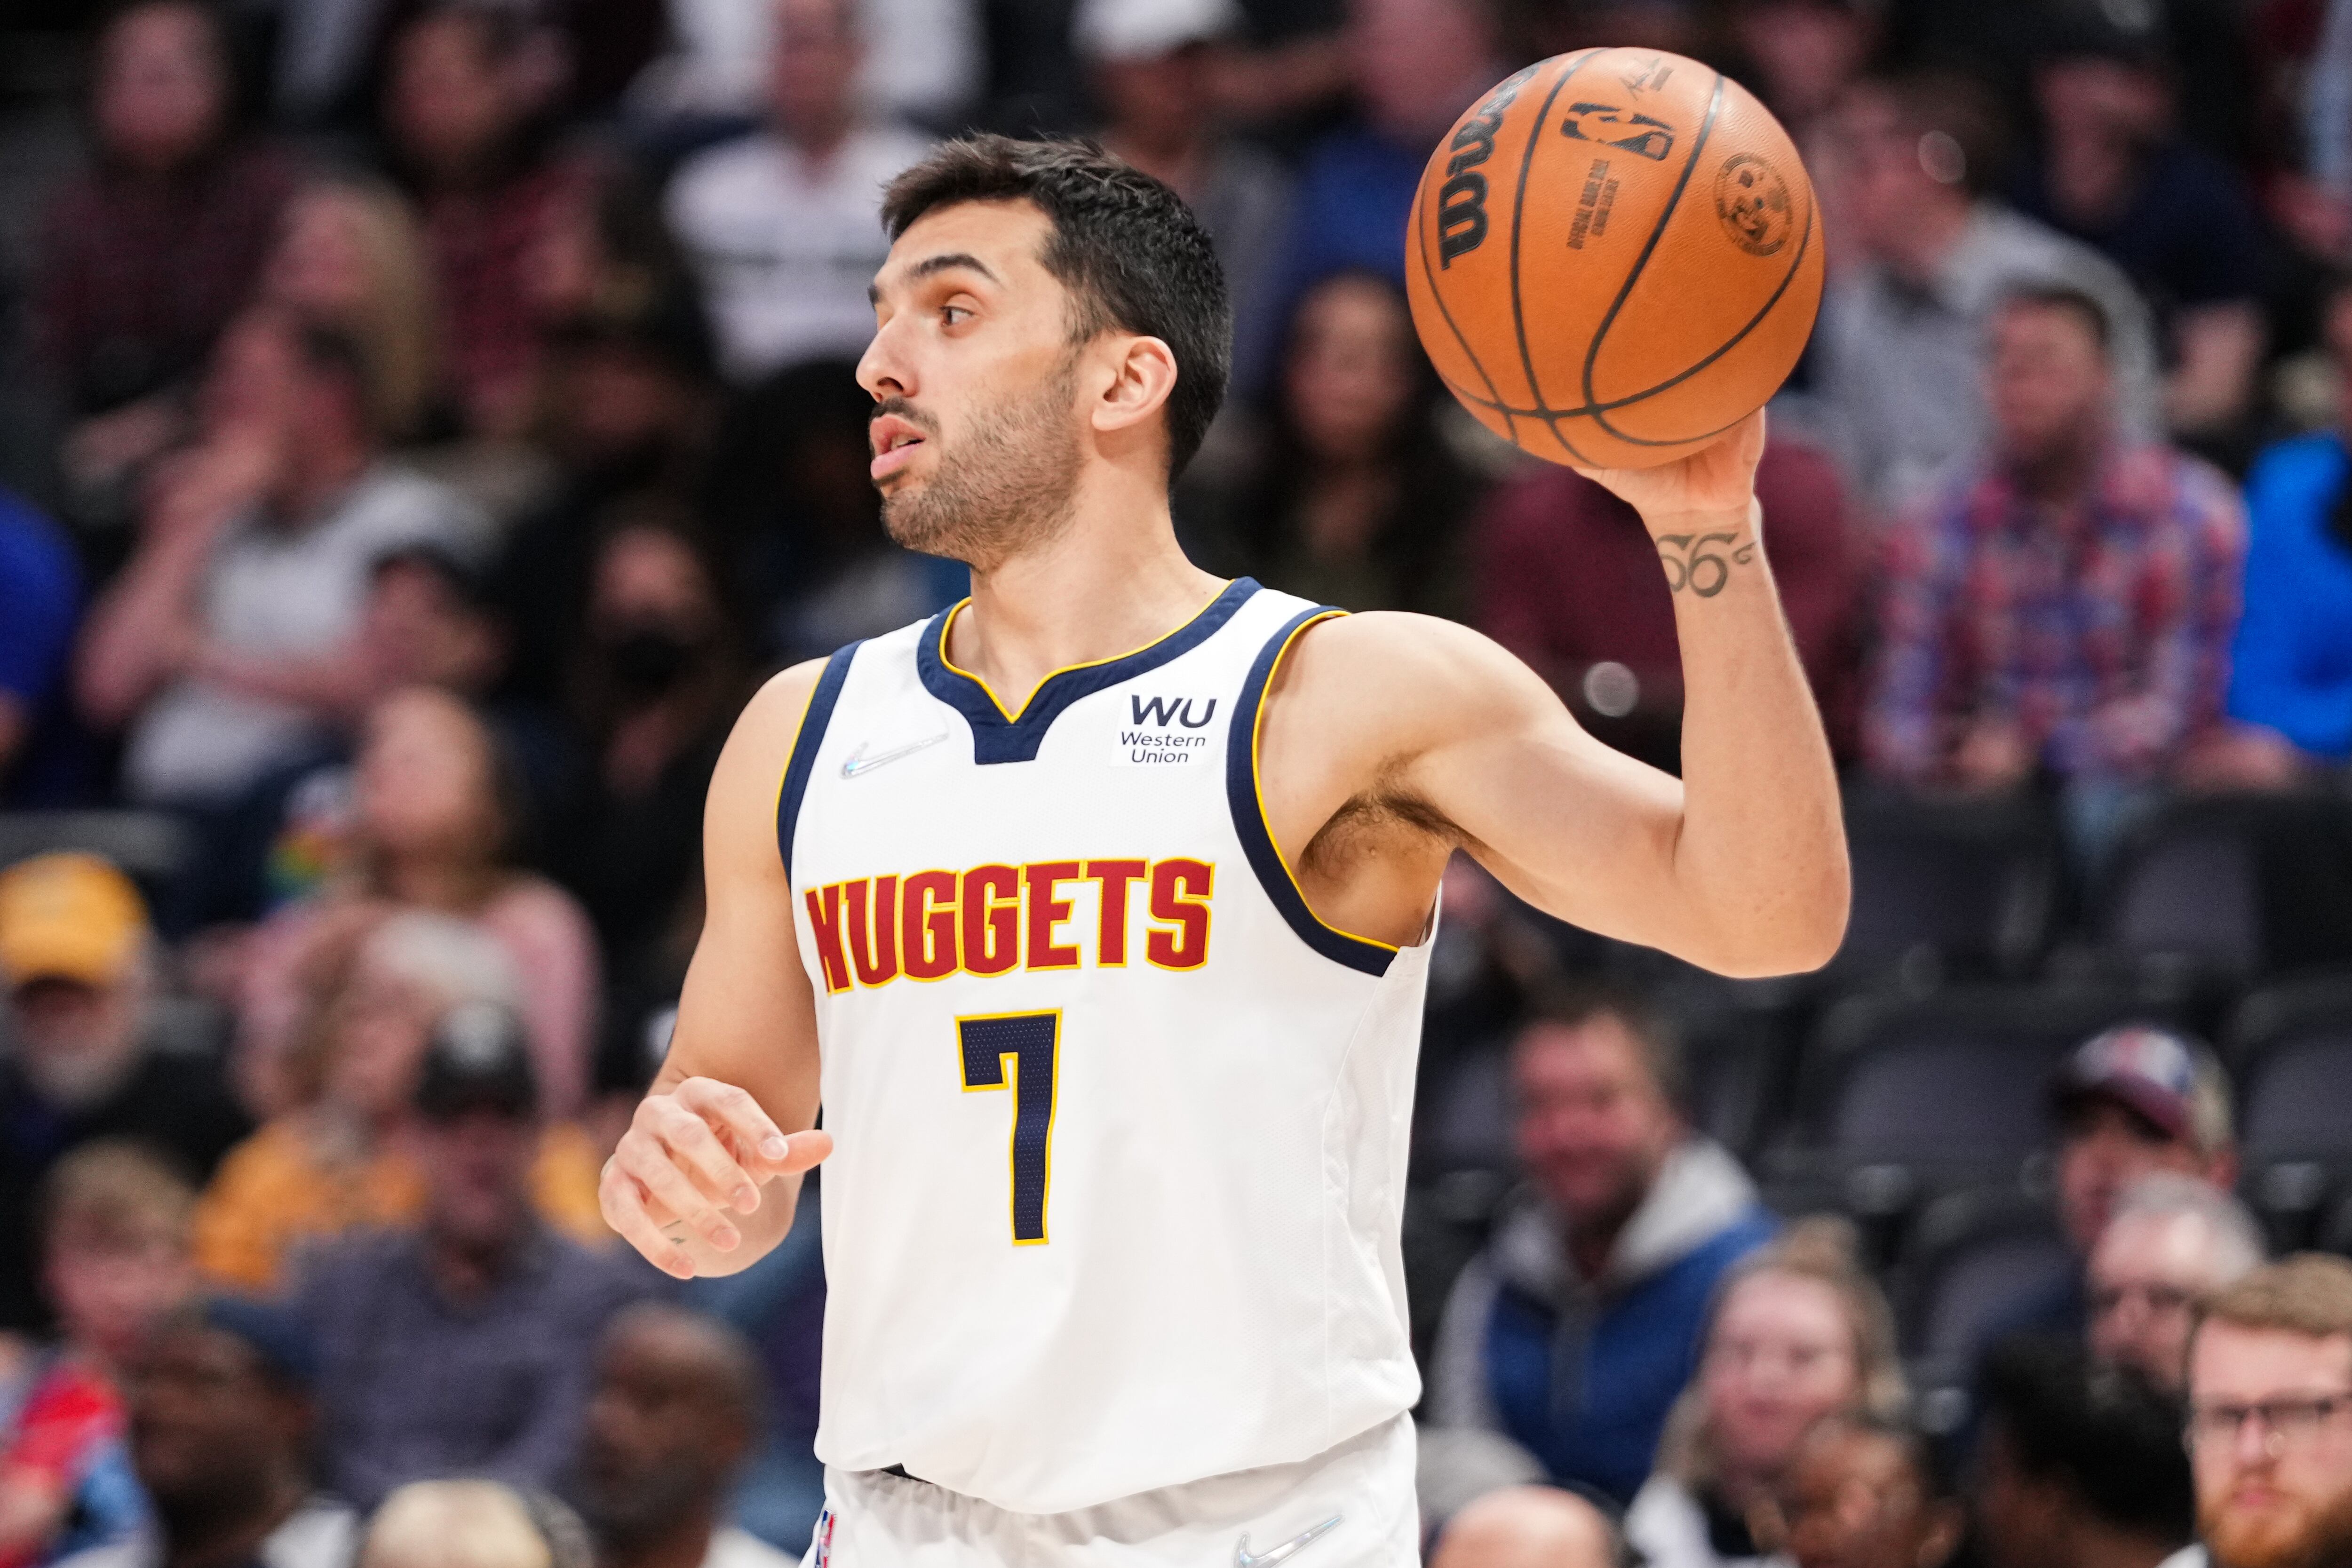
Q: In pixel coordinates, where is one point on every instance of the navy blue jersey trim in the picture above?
(1360, 953)
(999, 738)
(804, 749)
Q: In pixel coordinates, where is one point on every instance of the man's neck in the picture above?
(230, 1538)
(467, 1272)
(319, 478)
(2065, 474)
(1929, 242)
(1112, 581)
(685, 1544)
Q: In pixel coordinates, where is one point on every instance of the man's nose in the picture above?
(881, 369)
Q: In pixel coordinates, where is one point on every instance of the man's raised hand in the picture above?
(693, 1157)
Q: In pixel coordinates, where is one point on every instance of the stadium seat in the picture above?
(154, 848)
(1973, 1260)
(1962, 888)
(1902, 1097)
(2236, 885)
(2291, 1047)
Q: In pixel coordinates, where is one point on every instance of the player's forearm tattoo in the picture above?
(1701, 563)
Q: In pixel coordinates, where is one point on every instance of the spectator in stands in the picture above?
(784, 225)
(464, 1345)
(438, 819)
(2291, 670)
(2066, 605)
(345, 1157)
(144, 260)
(2269, 1416)
(222, 1417)
(656, 686)
(718, 65)
(87, 1057)
(1568, 579)
(630, 408)
(1579, 1323)
(2133, 1102)
(227, 644)
(1799, 1332)
(40, 599)
(1868, 1493)
(1355, 498)
(2112, 173)
(2079, 1464)
(464, 112)
(1529, 1527)
(673, 1416)
(474, 1525)
(1415, 64)
(2173, 1242)
(1154, 65)
(1801, 56)
(1902, 343)
(352, 256)
(114, 1256)
(798, 523)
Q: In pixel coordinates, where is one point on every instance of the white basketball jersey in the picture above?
(1121, 1126)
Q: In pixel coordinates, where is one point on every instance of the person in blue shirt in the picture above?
(2291, 667)
(41, 601)
(1574, 1332)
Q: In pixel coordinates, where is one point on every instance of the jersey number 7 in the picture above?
(1018, 1051)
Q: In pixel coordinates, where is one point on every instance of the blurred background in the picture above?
(422, 424)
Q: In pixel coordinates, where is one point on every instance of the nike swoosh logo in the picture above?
(1243, 1558)
(857, 761)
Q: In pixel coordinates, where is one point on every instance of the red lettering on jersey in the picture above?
(1110, 945)
(824, 919)
(1180, 894)
(874, 942)
(991, 918)
(928, 920)
(1046, 911)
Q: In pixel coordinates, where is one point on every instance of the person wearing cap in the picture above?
(466, 1343)
(783, 226)
(1152, 64)
(346, 1158)
(2114, 173)
(2136, 1101)
(221, 1424)
(81, 1020)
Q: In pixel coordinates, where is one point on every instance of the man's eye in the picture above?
(953, 315)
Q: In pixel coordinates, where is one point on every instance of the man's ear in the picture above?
(1142, 375)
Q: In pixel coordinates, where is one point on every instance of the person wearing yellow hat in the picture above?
(79, 1019)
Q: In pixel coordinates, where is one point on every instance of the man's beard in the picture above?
(2300, 1535)
(1008, 485)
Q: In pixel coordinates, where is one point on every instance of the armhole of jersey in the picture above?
(806, 739)
(1247, 799)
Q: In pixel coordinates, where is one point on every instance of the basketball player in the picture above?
(1097, 911)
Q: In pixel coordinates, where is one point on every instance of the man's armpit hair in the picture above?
(1381, 809)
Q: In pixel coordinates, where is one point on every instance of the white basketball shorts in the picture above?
(1350, 1507)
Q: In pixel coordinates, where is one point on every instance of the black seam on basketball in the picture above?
(1678, 440)
(1421, 250)
(1629, 400)
(1649, 248)
(1518, 207)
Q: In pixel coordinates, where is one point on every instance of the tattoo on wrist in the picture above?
(1701, 563)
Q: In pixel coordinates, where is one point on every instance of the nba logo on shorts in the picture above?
(821, 1545)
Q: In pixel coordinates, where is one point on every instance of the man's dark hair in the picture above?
(1132, 255)
(2073, 302)
(1573, 1004)
(2104, 1433)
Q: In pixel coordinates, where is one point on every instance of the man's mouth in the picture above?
(895, 442)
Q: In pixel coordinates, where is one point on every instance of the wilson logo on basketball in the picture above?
(1613, 127)
(1753, 202)
(1461, 200)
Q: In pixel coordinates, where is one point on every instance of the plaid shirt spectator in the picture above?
(136, 275)
(482, 244)
(2102, 632)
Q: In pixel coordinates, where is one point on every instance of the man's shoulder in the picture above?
(394, 504)
(34, 549)
(741, 167)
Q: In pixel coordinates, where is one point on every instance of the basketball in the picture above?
(1614, 256)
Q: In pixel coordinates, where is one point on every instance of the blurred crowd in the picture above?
(424, 422)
